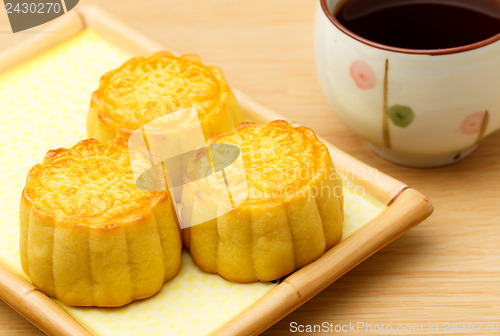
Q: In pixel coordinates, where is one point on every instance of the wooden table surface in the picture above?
(447, 269)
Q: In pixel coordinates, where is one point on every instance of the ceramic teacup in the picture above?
(415, 107)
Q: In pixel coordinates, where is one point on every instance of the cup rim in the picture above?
(432, 52)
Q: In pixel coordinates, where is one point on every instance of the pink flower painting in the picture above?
(473, 123)
(363, 75)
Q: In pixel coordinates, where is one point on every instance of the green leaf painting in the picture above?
(401, 115)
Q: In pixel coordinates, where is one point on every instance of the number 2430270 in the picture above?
(476, 327)
(33, 8)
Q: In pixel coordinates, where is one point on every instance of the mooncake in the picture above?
(89, 236)
(143, 89)
(291, 214)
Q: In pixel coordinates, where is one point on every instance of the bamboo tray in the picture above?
(87, 42)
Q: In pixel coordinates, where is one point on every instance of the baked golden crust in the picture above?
(143, 89)
(89, 236)
(90, 184)
(279, 159)
(292, 214)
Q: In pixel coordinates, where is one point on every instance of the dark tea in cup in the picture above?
(421, 24)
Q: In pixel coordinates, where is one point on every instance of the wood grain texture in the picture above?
(445, 269)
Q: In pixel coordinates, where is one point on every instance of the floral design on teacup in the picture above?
(476, 122)
(363, 75)
(401, 115)
(473, 123)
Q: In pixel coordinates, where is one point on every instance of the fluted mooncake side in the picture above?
(89, 236)
(293, 212)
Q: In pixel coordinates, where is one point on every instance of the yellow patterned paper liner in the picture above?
(44, 106)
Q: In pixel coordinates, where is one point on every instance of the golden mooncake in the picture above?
(89, 236)
(291, 214)
(144, 89)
